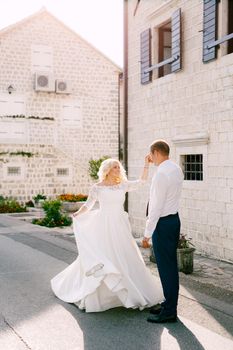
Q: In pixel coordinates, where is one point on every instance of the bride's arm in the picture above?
(81, 210)
(92, 197)
(145, 171)
(133, 185)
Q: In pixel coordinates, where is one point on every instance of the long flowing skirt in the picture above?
(109, 271)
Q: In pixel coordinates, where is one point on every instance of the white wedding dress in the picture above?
(109, 271)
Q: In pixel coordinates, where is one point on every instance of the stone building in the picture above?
(180, 88)
(59, 107)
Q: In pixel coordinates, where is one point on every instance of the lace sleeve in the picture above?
(92, 197)
(133, 185)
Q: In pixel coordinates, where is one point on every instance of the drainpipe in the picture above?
(125, 77)
(120, 83)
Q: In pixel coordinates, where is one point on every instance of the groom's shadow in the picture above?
(183, 335)
(127, 329)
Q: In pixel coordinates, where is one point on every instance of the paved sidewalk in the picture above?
(207, 271)
(32, 318)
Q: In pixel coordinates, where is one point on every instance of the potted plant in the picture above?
(39, 200)
(184, 254)
(72, 202)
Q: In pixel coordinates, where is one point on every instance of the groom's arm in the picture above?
(158, 195)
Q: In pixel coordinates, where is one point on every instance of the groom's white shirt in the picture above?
(165, 193)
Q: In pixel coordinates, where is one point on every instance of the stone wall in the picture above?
(94, 86)
(193, 110)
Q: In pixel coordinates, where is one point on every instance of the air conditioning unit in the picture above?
(62, 87)
(44, 82)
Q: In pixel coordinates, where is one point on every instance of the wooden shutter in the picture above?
(146, 56)
(230, 25)
(176, 40)
(209, 29)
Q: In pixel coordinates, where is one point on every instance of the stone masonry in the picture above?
(55, 144)
(193, 110)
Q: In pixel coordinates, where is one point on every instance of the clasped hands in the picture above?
(146, 242)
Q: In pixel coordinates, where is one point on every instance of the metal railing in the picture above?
(161, 64)
(219, 41)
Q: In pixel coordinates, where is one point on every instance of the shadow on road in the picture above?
(27, 265)
(127, 329)
(184, 337)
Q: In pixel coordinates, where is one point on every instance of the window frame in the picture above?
(185, 162)
(62, 175)
(161, 48)
(176, 50)
(11, 177)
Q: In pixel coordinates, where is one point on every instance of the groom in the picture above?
(163, 225)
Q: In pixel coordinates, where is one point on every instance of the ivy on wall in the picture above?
(21, 116)
(19, 153)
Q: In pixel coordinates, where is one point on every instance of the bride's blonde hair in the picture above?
(107, 165)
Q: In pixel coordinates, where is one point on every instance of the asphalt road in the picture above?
(32, 318)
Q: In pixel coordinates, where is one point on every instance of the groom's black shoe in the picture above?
(155, 310)
(162, 318)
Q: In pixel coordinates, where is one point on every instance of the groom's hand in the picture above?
(148, 160)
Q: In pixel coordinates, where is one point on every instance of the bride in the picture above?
(109, 271)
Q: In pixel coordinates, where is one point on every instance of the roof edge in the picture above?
(44, 10)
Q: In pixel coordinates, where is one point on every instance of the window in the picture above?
(165, 48)
(230, 25)
(41, 58)
(217, 28)
(13, 171)
(192, 166)
(12, 104)
(71, 113)
(62, 171)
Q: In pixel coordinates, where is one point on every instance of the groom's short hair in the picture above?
(161, 146)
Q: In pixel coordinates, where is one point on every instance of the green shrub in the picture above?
(29, 204)
(94, 165)
(11, 206)
(38, 197)
(53, 217)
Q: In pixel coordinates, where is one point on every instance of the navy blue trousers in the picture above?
(165, 241)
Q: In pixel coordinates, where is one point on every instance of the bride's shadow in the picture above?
(127, 329)
(116, 329)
